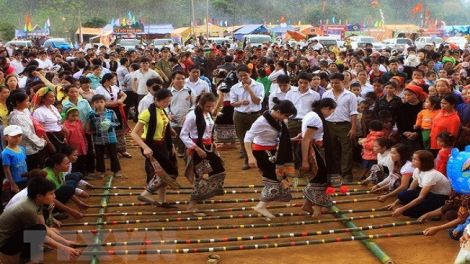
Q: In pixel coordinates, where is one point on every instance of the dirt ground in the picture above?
(409, 249)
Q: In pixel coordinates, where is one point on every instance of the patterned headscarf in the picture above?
(40, 93)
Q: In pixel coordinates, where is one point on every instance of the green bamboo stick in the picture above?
(369, 243)
(100, 220)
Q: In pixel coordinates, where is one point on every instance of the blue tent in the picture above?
(250, 29)
(281, 30)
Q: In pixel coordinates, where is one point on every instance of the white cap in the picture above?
(12, 130)
(465, 64)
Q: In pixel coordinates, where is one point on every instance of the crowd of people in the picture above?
(307, 112)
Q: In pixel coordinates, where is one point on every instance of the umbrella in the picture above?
(296, 35)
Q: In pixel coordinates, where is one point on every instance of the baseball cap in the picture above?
(165, 49)
(12, 130)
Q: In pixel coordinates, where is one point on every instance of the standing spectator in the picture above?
(342, 124)
(246, 98)
(140, 80)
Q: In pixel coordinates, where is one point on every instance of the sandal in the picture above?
(213, 259)
(126, 155)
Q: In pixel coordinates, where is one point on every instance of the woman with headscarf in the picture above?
(205, 167)
(413, 97)
(49, 117)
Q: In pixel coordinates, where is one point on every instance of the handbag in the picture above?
(38, 128)
(202, 168)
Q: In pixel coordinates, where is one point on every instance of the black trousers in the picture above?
(27, 242)
(112, 153)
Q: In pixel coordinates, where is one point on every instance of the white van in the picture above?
(327, 42)
(221, 40)
(256, 40)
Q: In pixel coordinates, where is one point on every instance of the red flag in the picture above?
(417, 8)
(323, 7)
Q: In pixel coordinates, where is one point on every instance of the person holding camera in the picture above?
(246, 98)
(224, 127)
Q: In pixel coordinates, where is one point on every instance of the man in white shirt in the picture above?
(193, 81)
(153, 85)
(16, 62)
(43, 61)
(362, 78)
(140, 80)
(246, 98)
(342, 124)
(302, 97)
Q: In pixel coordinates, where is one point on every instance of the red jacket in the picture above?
(442, 123)
(367, 152)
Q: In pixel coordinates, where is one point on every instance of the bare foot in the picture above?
(264, 211)
(316, 215)
(307, 207)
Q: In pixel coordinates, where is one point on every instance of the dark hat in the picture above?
(165, 49)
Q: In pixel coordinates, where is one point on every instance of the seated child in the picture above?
(369, 157)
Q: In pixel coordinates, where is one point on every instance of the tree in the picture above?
(95, 22)
(7, 30)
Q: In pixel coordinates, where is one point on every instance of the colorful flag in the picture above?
(376, 24)
(417, 8)
(142, 20)
(129, 15)
(226, 23)
(324, 5)
(28, 27)
(124, 22)
(48, 23)
(117, 23)
(333, 20)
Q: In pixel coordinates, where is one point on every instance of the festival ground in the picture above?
(235, 226)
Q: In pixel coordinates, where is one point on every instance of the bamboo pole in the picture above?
(218, 227)
(246, 238)
(99, 222)
(370, 245)
(251, 246)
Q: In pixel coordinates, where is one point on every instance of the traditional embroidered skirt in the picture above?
(316, 193)
(273, 191)
(211, 182)
(122, 129)
(168, 164)
(224, 127)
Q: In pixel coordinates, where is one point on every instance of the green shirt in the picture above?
(58, 181)
(267, 85)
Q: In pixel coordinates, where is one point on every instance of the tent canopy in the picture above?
(90, 31)
(280, 29)
(158, 29)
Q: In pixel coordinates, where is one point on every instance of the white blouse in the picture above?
(189, 129)
(262, 133)
(109, 96)
(49, 117)
(312, 120)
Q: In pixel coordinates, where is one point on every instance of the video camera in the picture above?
(229, 80)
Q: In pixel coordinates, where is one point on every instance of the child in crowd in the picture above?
(445, 140)
(428, 191)
(355, 88)
(367, 117)
(378, 87)
(371, 98)
(385, 117)
(85, 89)
(432, 91)
(76, 138)
(14, 163)
(384, 166)
(431, 78)
(369, 157)
(425, 117)
(101, 124)
(400, 177)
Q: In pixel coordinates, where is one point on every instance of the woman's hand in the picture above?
(398, 212)
(84, 195)
(252, 162)
(431, 231)
(305, 166)
(82, 206)
(65, 131)
(382, 198)
(200, 152)
(423, 218)
(148, 152)
(465, 237)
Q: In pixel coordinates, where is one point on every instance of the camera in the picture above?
(230, 79)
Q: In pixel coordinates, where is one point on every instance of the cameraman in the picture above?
(246, 98)
(228, 64)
